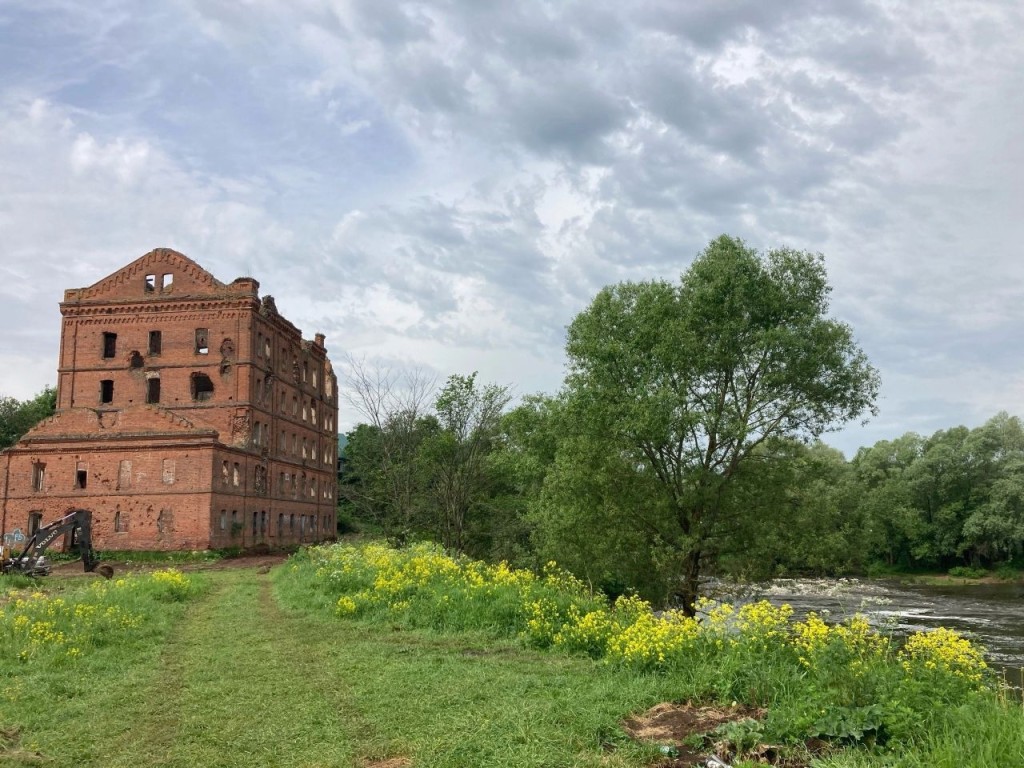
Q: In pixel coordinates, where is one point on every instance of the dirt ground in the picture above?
(73, 568)
(676, 726)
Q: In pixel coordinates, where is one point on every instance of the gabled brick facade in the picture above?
(190, 415)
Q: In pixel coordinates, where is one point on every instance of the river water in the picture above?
(991, 615)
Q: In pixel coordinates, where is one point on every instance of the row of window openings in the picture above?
(260, 520)
(263, 351)
(156, 343)
(81, 480)
(261, 438)
(163, 521)
(35, 521)
(232, 475)
(201, 388)
(309, 409)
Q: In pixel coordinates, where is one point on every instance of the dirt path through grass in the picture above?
(241, 683)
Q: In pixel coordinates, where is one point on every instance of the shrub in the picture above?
(64, 627)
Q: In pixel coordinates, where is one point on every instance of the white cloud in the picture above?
(449, 183)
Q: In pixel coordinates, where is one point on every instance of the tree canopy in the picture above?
(672, 389)
(18, 417)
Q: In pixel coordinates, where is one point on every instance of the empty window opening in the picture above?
(291, 522)
(153, 390)
(81, 475)
(164, 521)
(35, 521)
(166, 281)
(120, 522)
(263, 522)
(150, 283)
(235, 475)
(314, 378)
(254, 521)
(266, 348)
(155, 342)
(260, 480)
(305, 449)
(202, 387)
(223, 519)
(107, 391)
(305, 411)
(280, 523)
(109, 345)
(225, 473)
(168, 471)
(305, 372)
(135, 359)
(202, 341)
(38, 476)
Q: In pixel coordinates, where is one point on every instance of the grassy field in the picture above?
(231, 678)
(245, 668)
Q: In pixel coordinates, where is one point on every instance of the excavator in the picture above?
(32, 560)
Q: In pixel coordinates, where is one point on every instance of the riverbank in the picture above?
(941, 579)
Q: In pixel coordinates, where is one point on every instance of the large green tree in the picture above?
(672, 388)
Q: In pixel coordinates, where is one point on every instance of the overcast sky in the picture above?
(446, 184)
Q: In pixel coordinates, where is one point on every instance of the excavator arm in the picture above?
(32, 560)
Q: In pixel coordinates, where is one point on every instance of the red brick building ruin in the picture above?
(190, 415)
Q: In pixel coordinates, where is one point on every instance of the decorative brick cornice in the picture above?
(123, 311)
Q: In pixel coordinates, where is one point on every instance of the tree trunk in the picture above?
(689, 591)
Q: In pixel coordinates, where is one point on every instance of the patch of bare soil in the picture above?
(10, 739)
(678, 727)
(263, 562)
(390, 762)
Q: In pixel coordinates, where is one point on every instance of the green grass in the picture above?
(232, 679)
(256, 670)
(132, 557)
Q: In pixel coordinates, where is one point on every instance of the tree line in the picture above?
(677, 396)
(685, 440)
